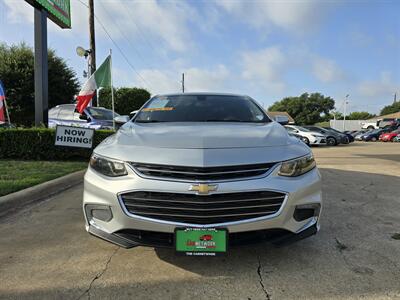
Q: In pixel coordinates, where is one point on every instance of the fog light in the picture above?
(99, 212)
(306, 211)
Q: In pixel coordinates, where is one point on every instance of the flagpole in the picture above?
(112, 90)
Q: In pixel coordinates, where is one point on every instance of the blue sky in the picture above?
(266, 49)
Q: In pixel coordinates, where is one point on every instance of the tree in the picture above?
(17, 74)
(390, 109)
(307, 108)
(125, 99)
(359, 115)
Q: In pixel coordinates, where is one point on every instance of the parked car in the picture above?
(200, 161)
(370, 125)
(360, 135)
(349, 136)
(388, 122)
(332, 138)
(373, 135)
(92, 117)
(299, 137)
(389, 136)
(357, 132)
(309, 137)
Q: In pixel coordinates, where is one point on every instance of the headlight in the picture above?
(298, 166)
(107, 167)
(317, 136)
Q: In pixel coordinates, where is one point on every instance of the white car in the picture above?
(309, 137)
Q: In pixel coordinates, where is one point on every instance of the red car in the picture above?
(389, 136)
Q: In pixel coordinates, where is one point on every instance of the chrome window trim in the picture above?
(138, 173)
(125, 210)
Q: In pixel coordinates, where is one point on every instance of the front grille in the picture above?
(200, 173)
(199, 209)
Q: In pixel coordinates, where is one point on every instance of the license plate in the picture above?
(201, 241)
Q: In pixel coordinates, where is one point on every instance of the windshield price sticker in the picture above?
(201, 241)
(74, 136)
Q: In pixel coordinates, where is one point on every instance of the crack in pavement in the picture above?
(259, 269)
(98, 275)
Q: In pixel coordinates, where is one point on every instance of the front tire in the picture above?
(331, 141)
(306, 141)
(373, 139)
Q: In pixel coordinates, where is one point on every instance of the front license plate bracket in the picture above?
(201, 241)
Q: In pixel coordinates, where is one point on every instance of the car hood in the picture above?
(200, 144)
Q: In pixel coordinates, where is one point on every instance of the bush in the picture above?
(17, 74)
(38, 144)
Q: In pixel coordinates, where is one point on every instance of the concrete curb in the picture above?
(14, 201)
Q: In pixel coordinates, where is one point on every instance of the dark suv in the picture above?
(92, 117)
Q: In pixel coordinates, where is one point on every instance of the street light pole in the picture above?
(92, 54)
(344, 112)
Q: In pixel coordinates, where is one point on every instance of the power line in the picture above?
(117, 46)
(129, 41)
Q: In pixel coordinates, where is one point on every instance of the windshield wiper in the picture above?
(219, 120)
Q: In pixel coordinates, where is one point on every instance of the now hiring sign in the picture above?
(74, 136)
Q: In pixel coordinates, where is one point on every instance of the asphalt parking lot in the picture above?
(45, 253)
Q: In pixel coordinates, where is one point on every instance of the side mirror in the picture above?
(283, 120)
(83, 117)
(121, 119)
(133, 113)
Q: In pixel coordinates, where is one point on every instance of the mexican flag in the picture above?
(100, 78)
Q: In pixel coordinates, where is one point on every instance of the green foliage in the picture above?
(38, 144)
(17, 74)
(306, 109)
(126, 99)
(359, 115)
(390, 109)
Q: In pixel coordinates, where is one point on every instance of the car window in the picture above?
(202, 108)
(290, 129)
(101, 113)
(66, 112)
(303, 129)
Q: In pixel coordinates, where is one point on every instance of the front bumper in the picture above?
(129, 231)
(318, 141)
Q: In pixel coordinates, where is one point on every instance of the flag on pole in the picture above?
(2, 103)
(100, 78)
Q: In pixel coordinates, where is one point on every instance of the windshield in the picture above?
(201, 108)
(101, 113)
(303, 129)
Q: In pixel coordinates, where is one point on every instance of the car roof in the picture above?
(199, 94)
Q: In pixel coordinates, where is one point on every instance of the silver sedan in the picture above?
(200, 173)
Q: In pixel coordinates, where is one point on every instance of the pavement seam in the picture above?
(98, 275)
(261, 281)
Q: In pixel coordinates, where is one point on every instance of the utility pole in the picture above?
(183, 82)
(344, 112)
(92, 37)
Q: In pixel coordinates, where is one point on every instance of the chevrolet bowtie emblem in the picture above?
(203, 189)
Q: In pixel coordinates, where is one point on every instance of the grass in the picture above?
(16, 175)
